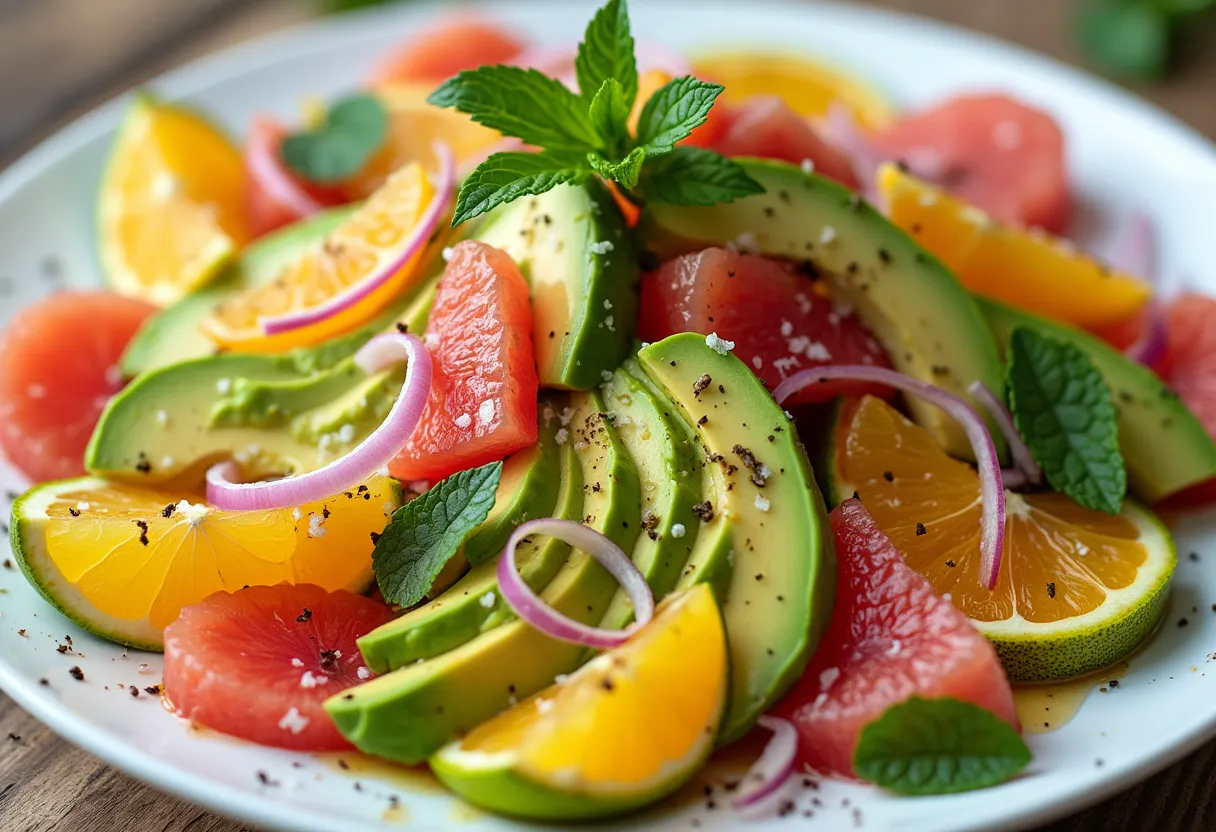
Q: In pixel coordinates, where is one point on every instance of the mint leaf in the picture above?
(1063, 410)
(607, 52)
(674, 111)
(625, 171)
(523, 103)
(610, 117)
(938, 746)
(355, 128)
(429, 530)
(505, 177)
(1128, 39)
(694, 176)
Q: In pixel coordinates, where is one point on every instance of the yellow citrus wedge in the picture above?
(360, 246)
(1027, 269)
(1078, 589)
(122, 561)
(628, 728)
(807, 86)
(171, 209)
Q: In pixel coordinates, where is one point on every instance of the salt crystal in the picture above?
(828, 677)
(487, 600)
(162, 417)
(224, 386)
(363, 673)
(678, 530)
(602, 247)
(463, 420)
(808, 166)
(297, 663)
(827, 235)
(719, 345)
(762, 503)
(485, 412)
(293, 721)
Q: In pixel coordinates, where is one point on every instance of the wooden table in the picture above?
(59, 58)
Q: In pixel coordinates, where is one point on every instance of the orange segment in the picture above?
(361, 245)
(808, 87)
(172, 203)
(1028, 269)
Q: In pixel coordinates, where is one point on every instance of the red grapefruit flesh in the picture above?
(778, 318)
(997, 153)
(440, 53)
(765, 126)
(257, 664)
(58, 368)
(483, 394)
(891, 637)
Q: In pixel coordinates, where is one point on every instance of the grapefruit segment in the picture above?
(258, 663)
(765, 126)
(482, 405)
(891, 637)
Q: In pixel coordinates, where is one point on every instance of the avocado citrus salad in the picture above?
(555, 418)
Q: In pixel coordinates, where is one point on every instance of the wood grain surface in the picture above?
(59, 58)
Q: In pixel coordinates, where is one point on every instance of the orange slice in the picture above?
(629, 727)
(1027, 269)
(123, 561)
(171, 209)
(361, 245)
(1078, 589)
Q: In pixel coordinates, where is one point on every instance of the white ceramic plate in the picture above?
(1123, 154)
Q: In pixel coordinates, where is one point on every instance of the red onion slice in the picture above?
(1022, 460)
(532, 608)
(432, 215)
(365, 459)
(1149, 349)
(270, 174)
(774, 765)
(1135, 252)
(988, 464)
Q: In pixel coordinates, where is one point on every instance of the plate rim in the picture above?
(309, 35)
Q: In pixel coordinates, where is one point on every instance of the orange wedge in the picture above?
(1077, 590)
(1027, 269)
(171, 209)
(123, 561)
(629, 727)
(361, 245)
(808, 87)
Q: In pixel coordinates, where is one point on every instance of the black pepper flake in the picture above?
(14, 737)
(168, 510)
(62, 649)
(951, 564)
(1182, 622)
(856, 496)
(8, 564)
(940, 370)
(807, 268)
(363, 489)
(375, 538)
(884, 256)
(704, 511)
(46, 683)
(1193, 556)
(768, 211)
(329, 659)
(403, 327)
(152, 690)
(304, 616)
(266, 780)
(698, 386)
(76, 673)
(143, 531)
(703, 421)
(787, 809)
(888, 476)
(921, 530)
(134, 691)
(606, 684)
(1114, 683)
(1051, 589)
(72, 510)
(721, 389)
(143, 466)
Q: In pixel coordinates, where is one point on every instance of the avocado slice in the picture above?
(409, 714)
(275, 413)
(172, 335)
(573, 247)
(780, 595)
(653, 435)
(922, 315)
(1165, 447)
(472, 605)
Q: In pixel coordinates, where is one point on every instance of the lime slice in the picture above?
(628, 728)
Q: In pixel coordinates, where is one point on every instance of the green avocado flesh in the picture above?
(543, 481)
(927, 322)
(172, 335)
(573, 247)
(1165, 447)
(779, 598)
(410, 713)
(275, 414)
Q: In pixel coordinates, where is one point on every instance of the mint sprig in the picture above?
(428, 531)
(587, 133)
(355, 128)
(1063, 409)
(938, 746)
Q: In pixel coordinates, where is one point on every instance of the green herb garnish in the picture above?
(587, 133)
(428, 531)
(1063, 409)
(938, 746)
(355, 128)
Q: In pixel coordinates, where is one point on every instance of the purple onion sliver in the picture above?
(1135, 252)
(988, 464)
(774, 765)
(365, 459)
(532, 608)
(1022, 458)
(1149, 349)
(269, 174)
(414, 243)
